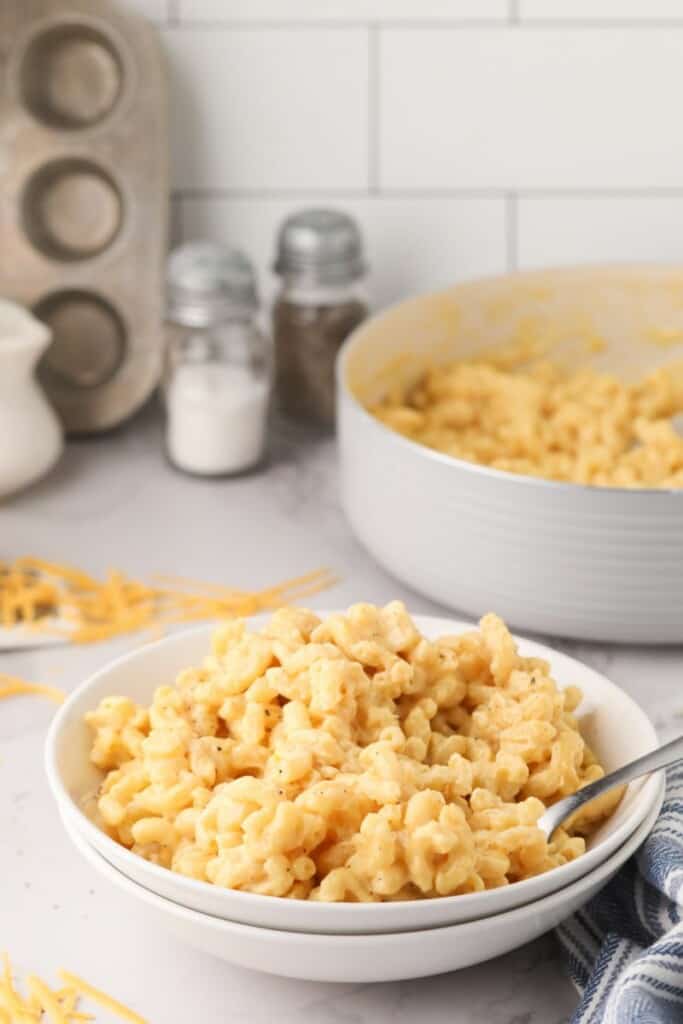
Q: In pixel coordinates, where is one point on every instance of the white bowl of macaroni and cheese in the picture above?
(357, 772)
(364, 957)
(517, 443)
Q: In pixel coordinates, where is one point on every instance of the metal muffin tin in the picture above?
(84, 201)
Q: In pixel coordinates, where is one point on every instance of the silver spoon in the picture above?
(662, 757)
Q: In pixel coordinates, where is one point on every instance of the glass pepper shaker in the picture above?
(218, 362)
(321, 300)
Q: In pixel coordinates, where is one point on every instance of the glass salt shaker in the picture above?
(322, 299)
(218, 362)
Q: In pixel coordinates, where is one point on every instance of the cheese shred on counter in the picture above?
(12, 686)
(56, 1006)
(62, 599)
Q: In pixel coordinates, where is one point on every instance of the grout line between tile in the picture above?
(373, 108)
(600, 23)
(267, 193)
(173, 13)
(341, 23)
(427, 193)
(278, 24)
(511, 231)
(649, 192)
(514, 19)
(177, 232)
(442, 193)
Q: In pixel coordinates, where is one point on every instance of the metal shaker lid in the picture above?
(207, 282)
(321, 246)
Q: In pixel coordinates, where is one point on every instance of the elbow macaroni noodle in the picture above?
(581, 427)
(349, 759)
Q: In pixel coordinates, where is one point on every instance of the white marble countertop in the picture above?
(116, 502)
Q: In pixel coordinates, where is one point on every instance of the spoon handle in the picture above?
(662, 757)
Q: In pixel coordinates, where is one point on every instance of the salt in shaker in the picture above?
(218, 364)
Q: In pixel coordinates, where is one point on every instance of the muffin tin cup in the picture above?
(85, 204)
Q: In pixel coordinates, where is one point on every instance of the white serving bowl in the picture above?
(568, 560)
(616, 728)
(368, 958)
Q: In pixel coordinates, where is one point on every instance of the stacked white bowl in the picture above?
(351, 942)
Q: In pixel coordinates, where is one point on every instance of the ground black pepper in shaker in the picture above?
(320, 261)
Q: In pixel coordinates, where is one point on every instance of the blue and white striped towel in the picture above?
(625, 948)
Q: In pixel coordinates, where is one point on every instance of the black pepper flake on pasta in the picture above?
(336, 814)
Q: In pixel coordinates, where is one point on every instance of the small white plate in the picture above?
(21, 638)
(72, 776)
(368, 958)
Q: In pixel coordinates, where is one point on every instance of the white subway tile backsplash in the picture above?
(269, 108)
(154, 10)
(412, 244)
(601, 10)
(175, 236)
(599, 229)
(523, 109)
(342, 10)
(464, 144)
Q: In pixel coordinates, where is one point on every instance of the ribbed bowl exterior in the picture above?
(583, 562)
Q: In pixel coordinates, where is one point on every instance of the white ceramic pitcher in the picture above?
(30, 433)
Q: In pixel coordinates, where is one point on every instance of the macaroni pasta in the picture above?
(581, 427)
(349, 759)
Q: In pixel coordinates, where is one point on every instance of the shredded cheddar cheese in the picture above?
(56, 1006)
(665, 337)
(64, 600)
(46, 1000)
(11, 686)
(105, 1001)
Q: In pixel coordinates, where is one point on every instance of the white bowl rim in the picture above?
(99, 837)
(505, 475)
(135, 889)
